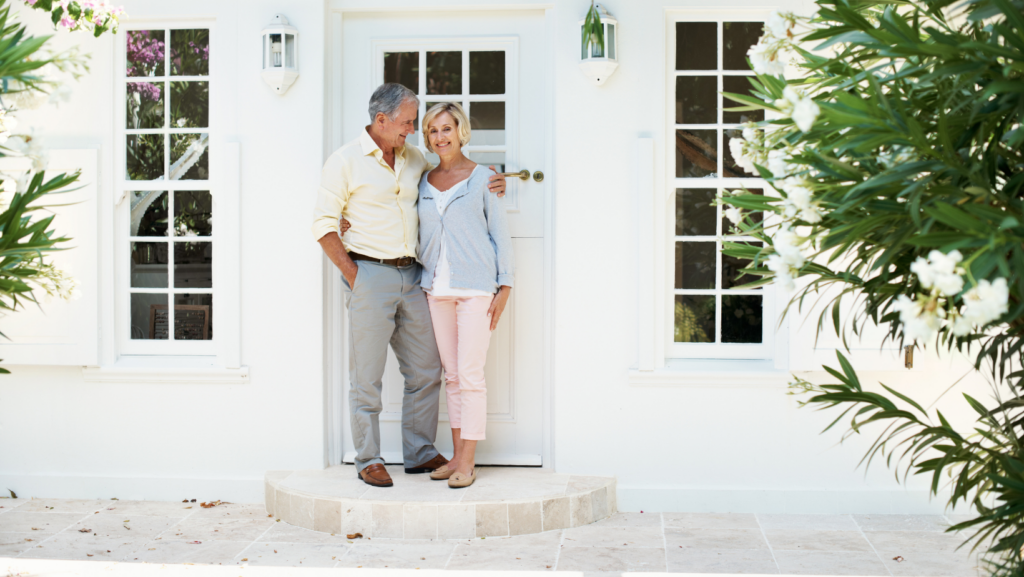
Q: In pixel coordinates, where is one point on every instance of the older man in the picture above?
(373, 182)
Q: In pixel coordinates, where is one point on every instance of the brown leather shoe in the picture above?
(375, 475)
(431, 465)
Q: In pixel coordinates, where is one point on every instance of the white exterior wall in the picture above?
(722, 443)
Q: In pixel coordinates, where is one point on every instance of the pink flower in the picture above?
(68, 22)
(31, 2)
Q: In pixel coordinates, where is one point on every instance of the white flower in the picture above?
(767, 57)
(804, 114)
(787, 245)
(738, 149)
(781, 24)
(940, 272)
(986, 302)
(778, 163)
(918, 324)
(734, 214)
(783, 272)
(750, 133)
(31, 146)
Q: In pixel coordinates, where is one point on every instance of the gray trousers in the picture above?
(387, 306)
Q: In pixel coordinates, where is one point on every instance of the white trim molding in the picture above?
(712, 373)
(166, 370)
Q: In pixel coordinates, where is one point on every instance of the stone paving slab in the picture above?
(154, 538)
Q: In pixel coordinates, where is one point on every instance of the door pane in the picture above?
(487, 120)
(190, 52)
(739, 37)
(190, 156)
(193, 265)
(695, 265)
(696, 45)
(731, 267)
(145, 156)
(145, 322)
(696, 153)
(193, 317)
(193, 213)
(727, 224)
(190, 104)
(145, 105)
(444, 72)
(487, 72)
(741, 318)
(738, 85)
(145, 52)
(696, 100)
(148, 213)
(695, 215)
(149, 265)
(695, 319)
(403, 68)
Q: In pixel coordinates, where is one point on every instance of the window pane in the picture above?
(145, 52)
(193, 264)
(487, 72)
(403, 68)
(696, 45)
(696, 100)
(696, 153)
(145, 156)
(190, 156)
(731, 267)
(149, 265)
(190, 52)
(148, 213)
(193, 317)
(487, 119)
(193, 213)
(727, 224)
(146, 323)
(695, 265)
(739, 37)
(145, 105)
(695, 215)
(738, 85)
(495, 159)
(695, 319)
(190, 104)
(444, 72)
(741, 318)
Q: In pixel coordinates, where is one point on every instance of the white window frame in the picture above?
(223, 349)
(766, 349)
(510, 45)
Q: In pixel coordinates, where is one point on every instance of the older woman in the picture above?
(466, 252)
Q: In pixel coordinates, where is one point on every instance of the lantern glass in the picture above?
(585, 44)
(595, 48)
(275, 50)
(609, 40)
(266, 49)
(289, 50)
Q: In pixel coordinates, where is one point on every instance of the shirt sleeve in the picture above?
(332, 196)
(497, 227)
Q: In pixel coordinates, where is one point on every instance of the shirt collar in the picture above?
(370, 146)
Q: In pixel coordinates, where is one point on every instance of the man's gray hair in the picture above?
(387, 98)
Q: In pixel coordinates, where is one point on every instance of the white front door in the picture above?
(483, 61)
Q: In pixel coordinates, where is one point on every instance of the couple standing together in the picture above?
(416, 229)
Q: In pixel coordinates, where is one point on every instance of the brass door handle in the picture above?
(522, 174)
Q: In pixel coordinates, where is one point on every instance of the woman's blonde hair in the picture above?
(461, 121)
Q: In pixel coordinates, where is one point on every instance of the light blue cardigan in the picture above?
(479, 246)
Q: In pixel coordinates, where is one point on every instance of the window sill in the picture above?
(712, 373)
(166, 370)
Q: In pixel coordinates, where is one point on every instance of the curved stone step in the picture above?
(503, 501)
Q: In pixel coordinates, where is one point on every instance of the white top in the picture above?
(442, 273)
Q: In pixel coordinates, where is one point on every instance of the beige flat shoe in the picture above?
(441, 474)
(460, 481)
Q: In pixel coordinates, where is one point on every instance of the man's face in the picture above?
(395, 131)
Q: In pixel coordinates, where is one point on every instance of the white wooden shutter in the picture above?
(64, 332)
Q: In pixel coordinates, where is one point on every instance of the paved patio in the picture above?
(228, 534)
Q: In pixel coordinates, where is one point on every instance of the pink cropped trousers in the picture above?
(463, 332)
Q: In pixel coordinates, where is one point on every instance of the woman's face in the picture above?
(443, 135)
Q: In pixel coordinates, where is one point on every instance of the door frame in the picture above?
(335, 327)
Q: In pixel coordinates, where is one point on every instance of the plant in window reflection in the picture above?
(896, 153)
(31, 77)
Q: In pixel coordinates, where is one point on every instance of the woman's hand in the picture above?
(345, 225)
(498, 305)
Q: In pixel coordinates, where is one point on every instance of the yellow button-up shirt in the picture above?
(380, 202)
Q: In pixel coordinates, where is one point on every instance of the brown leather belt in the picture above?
(396, 262)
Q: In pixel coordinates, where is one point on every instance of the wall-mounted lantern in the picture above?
(596, 61)
(280, 54)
